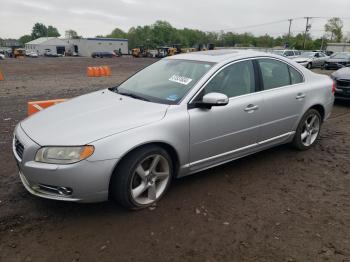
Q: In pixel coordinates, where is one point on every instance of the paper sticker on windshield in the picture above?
(180, 79)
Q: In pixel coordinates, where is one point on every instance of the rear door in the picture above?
(284, 95)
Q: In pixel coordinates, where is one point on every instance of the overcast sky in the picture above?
(95, 17)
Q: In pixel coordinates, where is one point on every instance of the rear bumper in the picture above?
(329, 108)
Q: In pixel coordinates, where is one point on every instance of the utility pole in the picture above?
(290, 25)
(307, 28)
(288, 37)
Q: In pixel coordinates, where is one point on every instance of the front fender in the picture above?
(173, 130)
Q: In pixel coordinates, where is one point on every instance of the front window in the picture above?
(278, 52)
(341, 56)
(234, 80)
(166, 81)
(308, 54)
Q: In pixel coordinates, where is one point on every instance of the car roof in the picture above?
(220, 55)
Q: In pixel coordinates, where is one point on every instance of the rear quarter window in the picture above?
(295, 76)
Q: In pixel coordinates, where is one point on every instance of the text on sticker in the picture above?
(180, 79)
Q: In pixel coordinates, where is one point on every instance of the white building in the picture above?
(85, 47)
(82, 47)
(44, 45)
(338, 47)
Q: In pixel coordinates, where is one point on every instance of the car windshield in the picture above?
(166, 81)
(278, 52)
(308, 54)
(341, 56)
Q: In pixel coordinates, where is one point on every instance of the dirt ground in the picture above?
(278, 205)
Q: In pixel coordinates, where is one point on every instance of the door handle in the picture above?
(251, 108)
(300, 96)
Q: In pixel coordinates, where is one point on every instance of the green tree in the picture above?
(334, 26)
(39, 30)
(71, 34)
(25, 39)
(117, 33)
(52, 31)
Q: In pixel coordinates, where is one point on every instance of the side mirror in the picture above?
(212, 99)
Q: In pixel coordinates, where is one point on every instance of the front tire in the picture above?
(142, 177)
(308, 130)
(309, 66)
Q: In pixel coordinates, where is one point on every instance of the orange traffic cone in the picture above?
(96, 71)
(103, 71)
(90, 72)
(1, 76)
(108, 70)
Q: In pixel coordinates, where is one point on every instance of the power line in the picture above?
(278, 22)
(256, 25)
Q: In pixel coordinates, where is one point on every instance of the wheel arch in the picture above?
(166, 146)
(320, 109)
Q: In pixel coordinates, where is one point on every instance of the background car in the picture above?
(342, 79)
(2, 56)
(287, 53)
(48, 53)
(338, 60)
(103, 55)
(311, 59)
(32, 54)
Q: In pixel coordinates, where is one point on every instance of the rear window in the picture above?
(274, 73)
(277, 74)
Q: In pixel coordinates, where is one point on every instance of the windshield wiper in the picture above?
(133, 96)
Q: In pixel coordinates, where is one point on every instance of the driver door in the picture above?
(222, 133)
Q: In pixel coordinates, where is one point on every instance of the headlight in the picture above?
(63, 155)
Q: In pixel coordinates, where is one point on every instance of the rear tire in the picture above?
(142, 177)
(308, 130)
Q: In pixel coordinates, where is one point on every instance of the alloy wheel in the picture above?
(310, 130)
(150, 179)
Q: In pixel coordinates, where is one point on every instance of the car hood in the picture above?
(90, 117)
(302, 59)
(343, 73)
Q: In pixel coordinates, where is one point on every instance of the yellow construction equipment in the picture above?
(140, 51)
(172, 51)
(19, 53)
(164, 51)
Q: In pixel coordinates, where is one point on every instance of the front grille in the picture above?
(19, 148)
(343, 83)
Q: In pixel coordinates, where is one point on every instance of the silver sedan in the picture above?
(178, 116)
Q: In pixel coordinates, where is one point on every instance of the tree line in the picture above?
(162, 33)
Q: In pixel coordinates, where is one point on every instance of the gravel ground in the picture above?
(278, 205)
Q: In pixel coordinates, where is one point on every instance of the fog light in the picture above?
(65, 191)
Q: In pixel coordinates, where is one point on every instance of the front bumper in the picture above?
(304, 64)
(341, 95)
(333, 66)
(85, 181)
